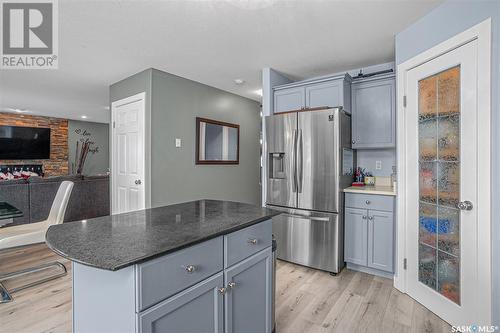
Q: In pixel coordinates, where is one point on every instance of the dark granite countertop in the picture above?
(117, 241)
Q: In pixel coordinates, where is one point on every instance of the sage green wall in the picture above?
(175, 104)
(172, 105)
(97, 161)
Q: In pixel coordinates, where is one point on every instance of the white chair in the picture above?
(33, 233)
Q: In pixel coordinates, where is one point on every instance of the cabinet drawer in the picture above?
(243, 243)
(160, 278)
(369, 201)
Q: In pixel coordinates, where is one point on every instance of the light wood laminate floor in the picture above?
(307, 300)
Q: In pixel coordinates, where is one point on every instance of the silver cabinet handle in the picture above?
(368, 202)
(465, 205)
(353, 141)
(190, 268)
(231, 285)
(370, 217)
(222, 290)
(252, 241)
(138, 182)
(364, 217)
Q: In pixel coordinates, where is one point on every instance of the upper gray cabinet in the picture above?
(325, 92)
(289, 99)
(374, 113)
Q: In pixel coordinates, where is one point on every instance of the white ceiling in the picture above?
(213, 42)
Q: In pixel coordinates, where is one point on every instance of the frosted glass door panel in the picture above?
(439, 190)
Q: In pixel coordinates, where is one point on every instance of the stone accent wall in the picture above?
(57, 165)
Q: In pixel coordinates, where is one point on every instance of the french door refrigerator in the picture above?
(305, 178)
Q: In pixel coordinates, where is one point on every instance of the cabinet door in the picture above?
(197, 309)
(289, 99)
(356, 236)
(248, 301)
(374, 114)
(327, 94)
(381, 240)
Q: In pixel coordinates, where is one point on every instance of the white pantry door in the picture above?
(128, 161)
(441, 178)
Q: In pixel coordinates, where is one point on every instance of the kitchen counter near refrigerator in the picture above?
(381, 190)
(369, 232)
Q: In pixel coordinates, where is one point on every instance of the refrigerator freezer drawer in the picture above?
(308, 238)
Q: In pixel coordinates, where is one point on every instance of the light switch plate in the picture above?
(178, 143)
(378, 165)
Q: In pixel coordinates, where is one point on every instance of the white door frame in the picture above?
(482, 33)
(114, 105)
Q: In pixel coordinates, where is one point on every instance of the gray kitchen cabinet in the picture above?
(369, 233)
(356, 236)
(374, 113)
(248, 295)
(289, 99)
(190, 290)
(326, 92)
(329, 94)
(197, 309)
(380, 240)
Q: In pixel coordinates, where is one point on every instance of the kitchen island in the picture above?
(200, 266)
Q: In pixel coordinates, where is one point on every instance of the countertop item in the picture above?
(8, 211)
(117, 241)
(383, 190)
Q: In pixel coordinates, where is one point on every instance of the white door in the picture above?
(441, 178)
(128, 154)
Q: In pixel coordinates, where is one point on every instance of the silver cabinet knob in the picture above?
(190, 268)
(370, 217)
(353, 141)
(368, 202)
(138, 182)
(364, 217)
(231, 285)
(252, 241)
(465, 205)
(222, 290)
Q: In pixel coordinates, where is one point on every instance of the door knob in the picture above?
(231, 285)
(465, 205)
(370, 217)
(138, 182)
(353, 141)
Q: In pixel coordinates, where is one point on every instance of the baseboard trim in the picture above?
(369, 270)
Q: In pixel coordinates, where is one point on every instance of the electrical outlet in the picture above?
(378, 165)
(178, 143)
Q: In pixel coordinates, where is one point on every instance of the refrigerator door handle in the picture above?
(300, 156)
(312, 218)
(294, 161)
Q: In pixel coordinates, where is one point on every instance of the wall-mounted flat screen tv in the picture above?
(24, 143)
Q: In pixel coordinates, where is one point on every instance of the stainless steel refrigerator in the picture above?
(308, 156)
